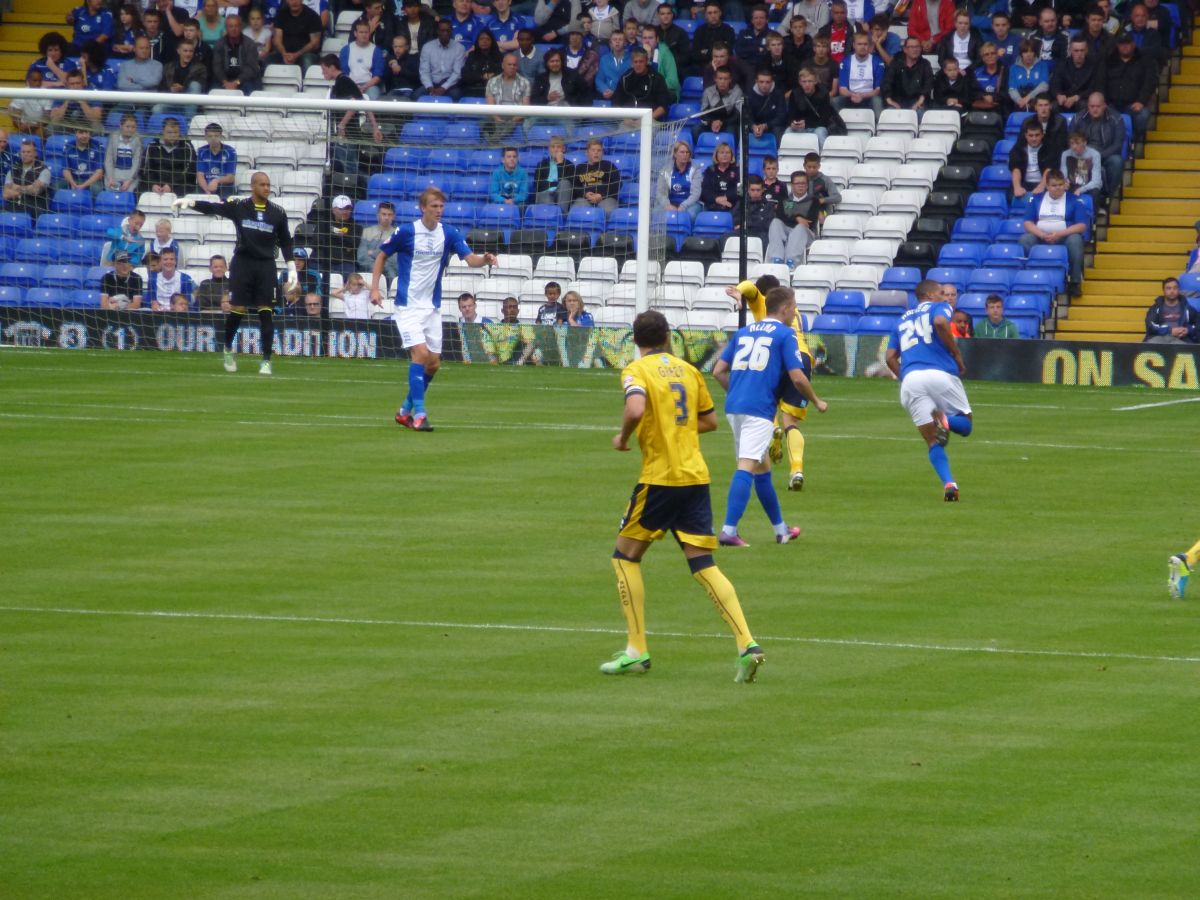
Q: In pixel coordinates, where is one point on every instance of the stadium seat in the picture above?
(682, 110)
(1009, 231)
(707, 142)
(463, 134)
(1000, 155)
(995, 177)
(488, 240)
(829, 251)
(404, 159)
(875, 324)
(385, 186)
(955, 276)
(1020, 206)
(692, 87)
(943, 204)
(10, 295)
(16, 225)
(484, 162)
(833, 324)
(675, 223)
(56, 225)
(50, 297)
(1005, 256)
(987, 204)
(78, 252)
(1047, 282)
(900, 278)
(501, 216)
(365, 212)
(1049, 256)
(921, 254)
(545, 216)
(849, 303)
(1012, 126)
(623, 220)
(446, 161)
(1029, 327)
(63, 277)
(887, 302)
(73, 203)
(474, 188)
(570, 241)
(965, 255)
(971, 151)
(859, 121)
(972, 302)
(41, 250)
(973, 231)
(460, 215)
(1027, 304)
(713, 224)
(16, 139)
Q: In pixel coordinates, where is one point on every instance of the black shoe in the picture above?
(1074, 289)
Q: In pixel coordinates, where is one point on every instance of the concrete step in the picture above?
(1152, 175)
(1066, 326)
(1177, 248)
(1090, 300)
(1108, 316)
(1169, 167)
(1155, 236)
(1161, 207)
(1145, 218)
(1138, 191)
(1173, 150)
(1134, 263)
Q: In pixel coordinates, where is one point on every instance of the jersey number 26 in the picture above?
(752, 353)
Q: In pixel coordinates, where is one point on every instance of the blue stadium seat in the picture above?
(972, 302)
(973, 231)
(460, 215)
(84, 299)
(1027, 304)
(1019, 207)
(95, 226)
(623, 220)
(502, 216)
(675, 223)
(995, 177)
(16, 225)
(116, 202)
(690, 26)
(407, 210)
(422, 131)
(431, 98)
(79, 252)
(588, 130)
(1037, 281)
(833, 324)
(1010, 231)
(845, 303)
(682, 110)
(155, 124)
(966, 255)
(987, 204)
(91, 278)
(16, 139)
(57, 144)
(446, 159)
(484, 162)
(1001, 150)
(764, 146)
(540, 134)
(473, 188)
(1012, 127)
(991, 281)
(463, 134)
(385, 185)
(1005, 256)
(586, 219)
(707, 142)
(56, 225)
(11, 295)
(404, 159)
(41, 250)
(44, 297)
(412, 183)
(623, 144)
(1029, 327)
(74, 203)
(365, 211)
(63, 277)
(900, 278)
(628, 193)
(112, 122)
(546, 216)
(473, 101)
(625, 165)
(955, 276)
(875, 324)
(713, 224)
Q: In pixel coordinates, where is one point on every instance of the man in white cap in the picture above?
(335, 245)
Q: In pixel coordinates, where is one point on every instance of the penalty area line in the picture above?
(579, 629)
(1157, 405)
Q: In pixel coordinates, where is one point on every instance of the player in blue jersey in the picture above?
(924, 355)
(422, 248)
(755, 368)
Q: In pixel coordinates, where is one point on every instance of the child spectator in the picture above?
(128, 239)
(123, 158)
(995, 325)
(216, 163)
(1025, 161)
(355, 297)
(179, 303)
(823, 190)
(167, 281)
(259, 32)
(953, 88)
(774, 190)
(1081, 165)
(961, 325)
(552, 312)
(213, 293)
(510, 182)
(760, 211)
(163, 239)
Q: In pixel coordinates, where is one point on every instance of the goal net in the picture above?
(564, 197)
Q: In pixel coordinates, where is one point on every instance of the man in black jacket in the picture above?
(1106, 135)
(1170, 320)
(640, 87)
(712, 31)
(908, 79)
(1077, 77)
(1132, 79)
(767, 106)
(1054, 127)
(674, 37)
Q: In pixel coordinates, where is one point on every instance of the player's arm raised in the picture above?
(635, 408)
(942, 326)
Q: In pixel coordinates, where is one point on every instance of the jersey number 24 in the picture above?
(917, 330)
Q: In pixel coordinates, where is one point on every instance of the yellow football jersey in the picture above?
(756, 301)
(676, 396)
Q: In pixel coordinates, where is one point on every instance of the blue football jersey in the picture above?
(759, 358)
(919, 343)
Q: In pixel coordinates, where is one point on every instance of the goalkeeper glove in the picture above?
(182, 203)
(293, 280)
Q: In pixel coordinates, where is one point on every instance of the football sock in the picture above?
(429, 373)
(233, 321)
(633, 601)
(1193, 556)
(723, 596)
(941, 463)
(267, 326)
(959, 424)
(765, 490)
(739, 497)
(416, 387)
(795, 448)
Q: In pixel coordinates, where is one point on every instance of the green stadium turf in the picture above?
(258, 641)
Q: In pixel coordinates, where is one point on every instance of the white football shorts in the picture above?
(925, 390)
(751, 436)
(419, 325)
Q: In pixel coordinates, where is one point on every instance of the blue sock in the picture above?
(416, 387)
(765, 489)
(429, 377)
(941, 463)
(739, 497)
(959, 424)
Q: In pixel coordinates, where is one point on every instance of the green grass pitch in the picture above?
(258, 641)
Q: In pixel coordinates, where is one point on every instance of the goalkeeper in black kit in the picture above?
(262, 229)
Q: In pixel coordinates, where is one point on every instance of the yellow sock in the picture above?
(795, 445)
(725, 599)
(1193, 555)
(633, 601)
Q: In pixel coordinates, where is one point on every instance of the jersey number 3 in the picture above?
(681, 404)
(752, 353)
(915, 331)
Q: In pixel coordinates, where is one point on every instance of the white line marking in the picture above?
(562, 629)
(1155, 405)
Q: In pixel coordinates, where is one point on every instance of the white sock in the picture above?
(730, 530)
(781, 529)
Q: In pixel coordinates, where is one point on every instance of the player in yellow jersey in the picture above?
(668, 406)
(1179, 570)
(793, 406)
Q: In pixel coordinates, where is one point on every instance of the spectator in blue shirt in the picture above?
(92, 23)
(576, 314)
(612, 66)
(464, 24)
(65, 115)
(504, 25)
(510, 182)
(83, 164)
(860, 78)
(53, 64)
(127, 27)
(216, 163)
(1008, 45)
(1059, 217)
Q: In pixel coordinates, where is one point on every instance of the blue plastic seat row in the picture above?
(48, 297)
